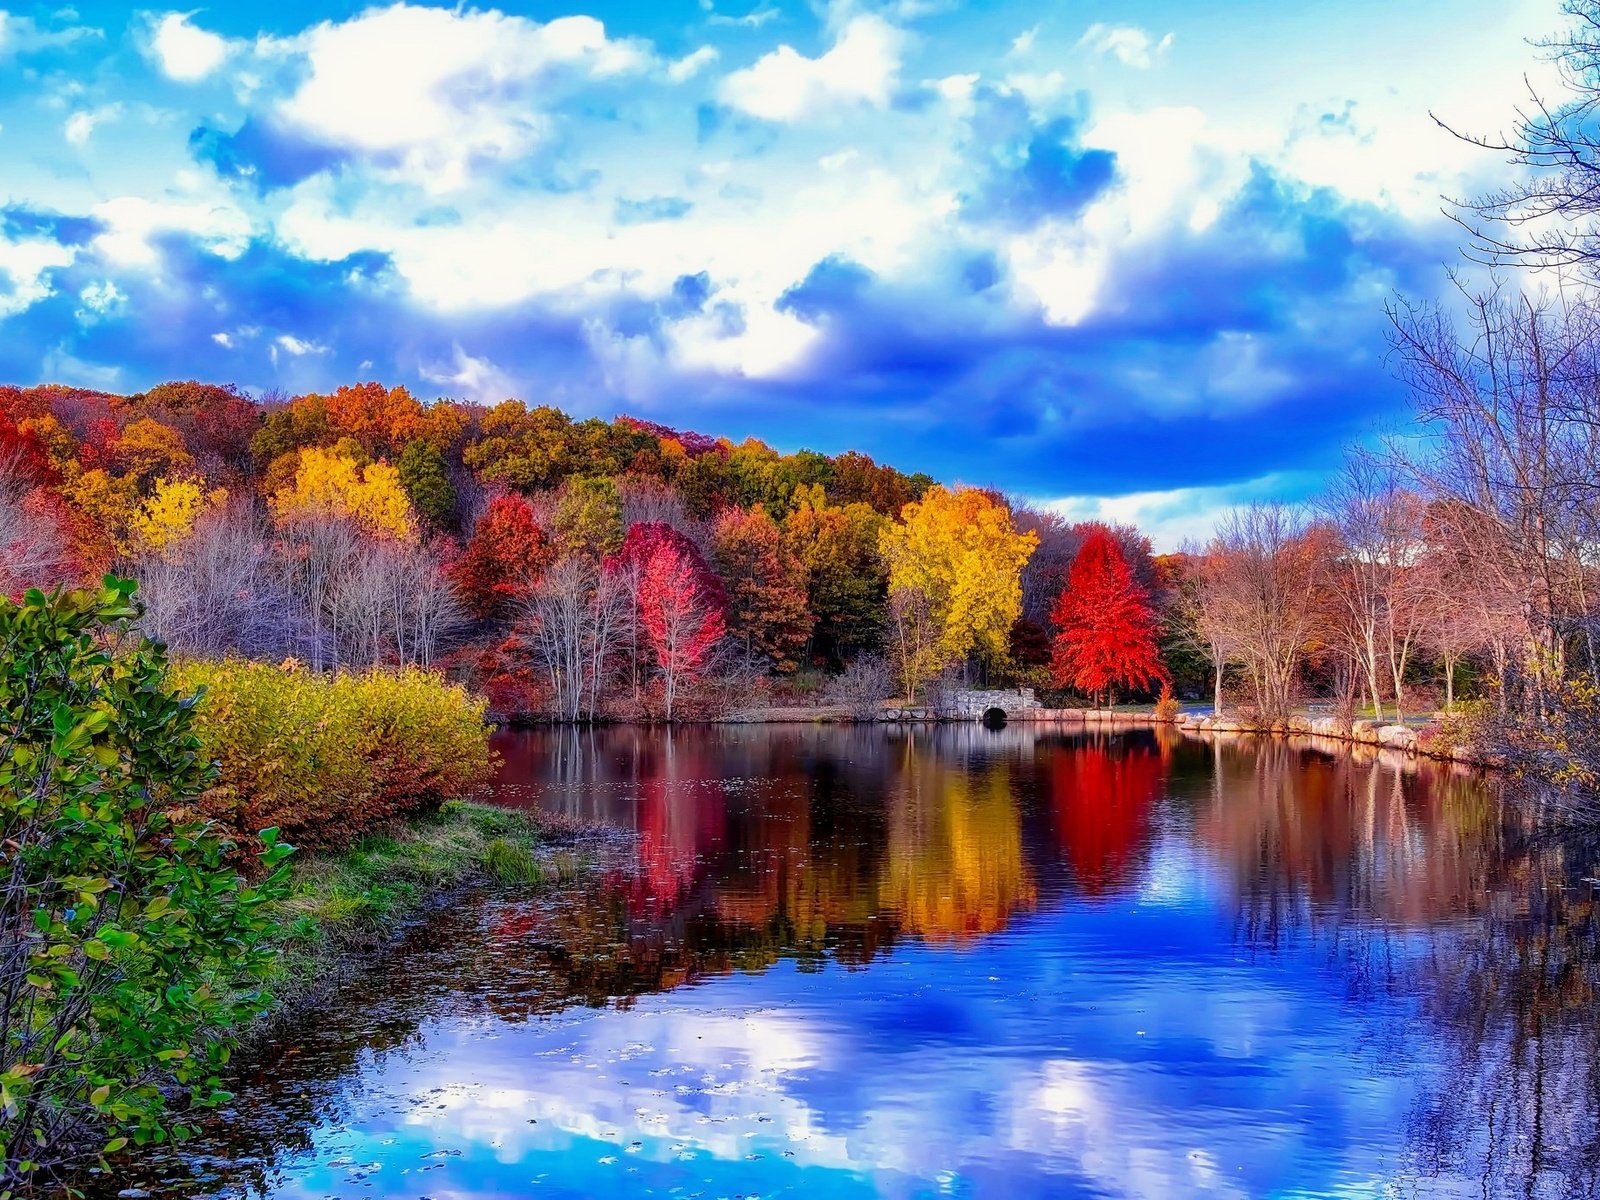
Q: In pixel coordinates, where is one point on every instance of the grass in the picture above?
(345, 903)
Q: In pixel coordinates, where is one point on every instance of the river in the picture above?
(950, 961)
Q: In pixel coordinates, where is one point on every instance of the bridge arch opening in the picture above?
(994, 718)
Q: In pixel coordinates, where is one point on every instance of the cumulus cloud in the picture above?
(427, 92)
(183, 50)
(860, 69)
(25, 266)
(1128, 44)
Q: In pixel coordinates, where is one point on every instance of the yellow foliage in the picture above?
(109, 502)
(167, 516)
(323, 757)
(959, 550)
(329, 484)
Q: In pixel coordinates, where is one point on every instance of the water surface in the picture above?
(955, 962)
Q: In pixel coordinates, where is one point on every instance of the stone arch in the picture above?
(994, 717)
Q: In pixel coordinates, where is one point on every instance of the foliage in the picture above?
(502, 560)
(1167, 706)
(766, 585)
(131, 950)
(167, 516)
(680, 605)
(1107, 625)
(588, 517)
(960, 552)
(846, 585)
(328, 484)
(425, 476)
(323, 757)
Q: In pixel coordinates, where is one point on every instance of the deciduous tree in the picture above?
(1106, 626)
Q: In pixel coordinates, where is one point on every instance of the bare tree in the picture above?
(1373, 588)
(33, 546)
(1201, 604)
(1267, 594)
(218, 590)
(574, 624)
(862, 687)
(390, 602)
(1513, 466)
(1548, 216)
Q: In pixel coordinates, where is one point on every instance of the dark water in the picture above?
(962, 963)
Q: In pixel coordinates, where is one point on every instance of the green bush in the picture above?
(325, 757)
(130, 950)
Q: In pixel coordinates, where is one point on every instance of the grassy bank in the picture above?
(343, 905)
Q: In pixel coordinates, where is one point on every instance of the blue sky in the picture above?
(1130, 257)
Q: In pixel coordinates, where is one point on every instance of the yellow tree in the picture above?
(955, 562)
(166, 518)
(109, 501)
(332, 485)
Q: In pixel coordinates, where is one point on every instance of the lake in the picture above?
(948, 961)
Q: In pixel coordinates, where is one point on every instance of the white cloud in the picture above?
(80, 125)
(99, 298)
(474, 379)
(298, 347)
(1181, 515)
(23, 35)
(24, 265)
(785, 85)
(754, 19)
(183, 50)
(428, 92)
(225, 340)
(1128, 44)
(689, 65)
(131, 221)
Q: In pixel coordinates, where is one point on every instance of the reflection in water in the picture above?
(963, 962)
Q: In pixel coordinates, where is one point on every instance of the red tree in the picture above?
(1106, 624)
(503, 558)
(681, 606)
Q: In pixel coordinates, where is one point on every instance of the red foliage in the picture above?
(682, 607)
(694, 444)
(1106, 623)
(503, 559)
(26, 451)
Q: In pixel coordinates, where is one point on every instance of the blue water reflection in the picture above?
(851, 963)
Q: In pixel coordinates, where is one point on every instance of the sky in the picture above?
(1128, 258)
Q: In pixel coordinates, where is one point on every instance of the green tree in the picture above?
(588, 517)
(130, 949)
(426, 478)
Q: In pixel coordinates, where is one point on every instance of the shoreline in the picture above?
(1411, 740)
(349, 907)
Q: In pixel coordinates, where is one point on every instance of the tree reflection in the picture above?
(1464, 943)
(1102, 794)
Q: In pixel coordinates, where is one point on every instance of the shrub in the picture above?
(130, 949)
(324, 757)
(1167, 706)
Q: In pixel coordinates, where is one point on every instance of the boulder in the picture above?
(1397, 737)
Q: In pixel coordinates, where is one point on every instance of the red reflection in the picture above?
(1102, 798)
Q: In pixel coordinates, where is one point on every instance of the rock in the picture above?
(1397, 737)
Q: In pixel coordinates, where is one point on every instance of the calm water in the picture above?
(962, 963)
